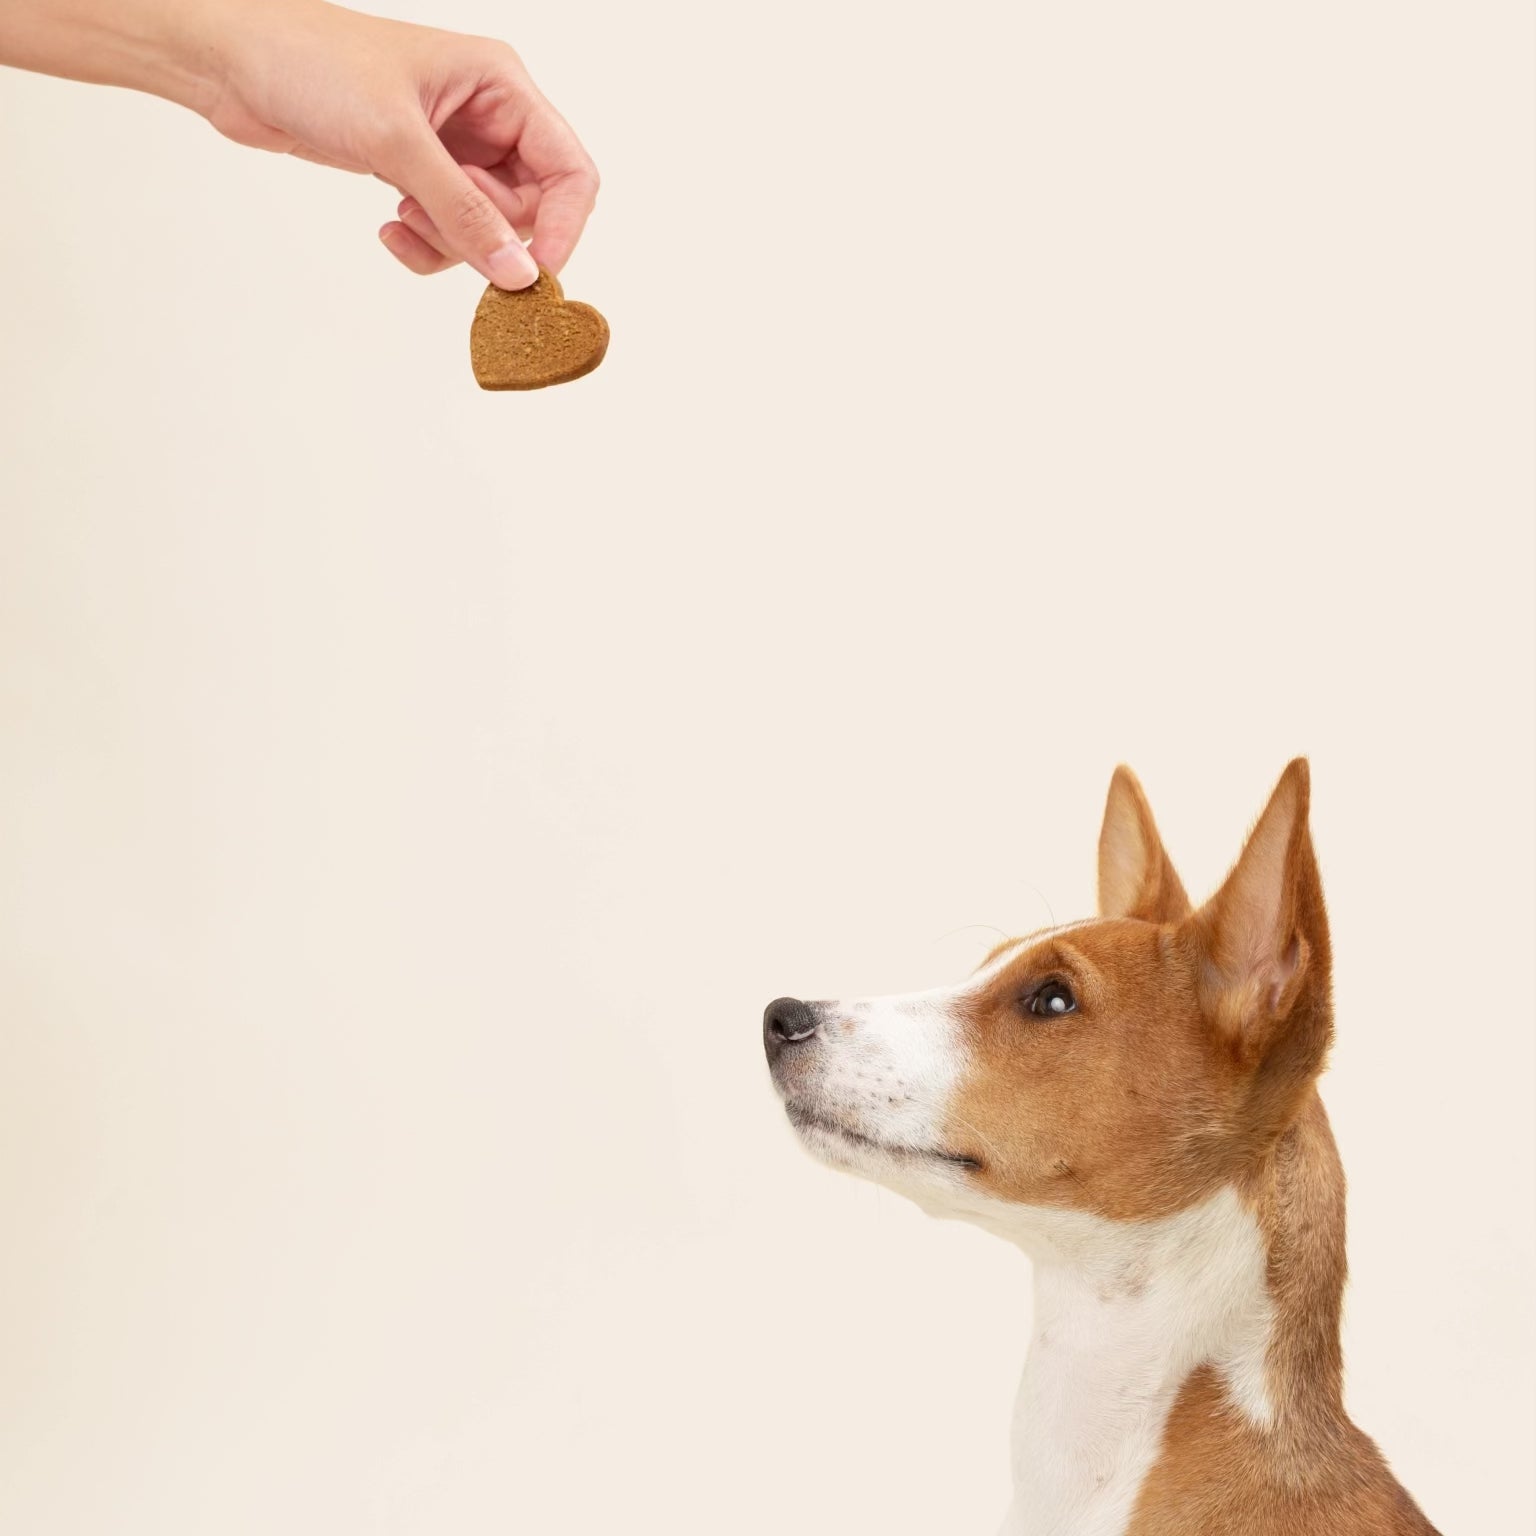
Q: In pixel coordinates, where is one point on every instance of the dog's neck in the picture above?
(1126, 1313)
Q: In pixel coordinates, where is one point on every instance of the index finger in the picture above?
(564, 207)
(567, 181)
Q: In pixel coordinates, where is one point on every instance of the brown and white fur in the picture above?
(1132, 1100)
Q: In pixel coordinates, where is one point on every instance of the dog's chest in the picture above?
(1088, 1425)
(1113, 1345)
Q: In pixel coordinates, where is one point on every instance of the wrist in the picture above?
(168, 49)
(202, 50)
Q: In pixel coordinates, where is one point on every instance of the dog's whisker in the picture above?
(970, 927)
(980, 1135)
(1044, 901)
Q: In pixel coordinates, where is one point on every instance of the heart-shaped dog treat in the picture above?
(533, 337)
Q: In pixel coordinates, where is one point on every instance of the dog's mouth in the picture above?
(809, 1123)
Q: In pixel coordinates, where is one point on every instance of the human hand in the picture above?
(453, 122)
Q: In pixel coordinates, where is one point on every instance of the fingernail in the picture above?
(512, 266)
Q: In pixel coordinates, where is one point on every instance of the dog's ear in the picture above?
(1263, 936)
(1136, 878)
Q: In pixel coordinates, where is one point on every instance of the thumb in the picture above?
(470, 224)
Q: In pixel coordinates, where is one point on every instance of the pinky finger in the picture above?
(411, 251)
(414, 217)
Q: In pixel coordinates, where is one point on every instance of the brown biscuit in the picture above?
(533, 337)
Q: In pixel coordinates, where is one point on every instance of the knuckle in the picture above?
(473, 214)
(508, 58)
(501, 63)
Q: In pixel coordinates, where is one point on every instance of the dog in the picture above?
(1132, 1100)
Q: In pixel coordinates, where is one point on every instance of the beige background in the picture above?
(410, 797)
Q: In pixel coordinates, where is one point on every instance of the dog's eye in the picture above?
(1052, 1001)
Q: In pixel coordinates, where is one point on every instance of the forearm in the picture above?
(178, 49)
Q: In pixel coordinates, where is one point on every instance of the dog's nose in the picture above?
(787, 1022)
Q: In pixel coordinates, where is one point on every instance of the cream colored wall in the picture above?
(409, 797)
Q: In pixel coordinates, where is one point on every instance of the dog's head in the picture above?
(1126, 1066)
